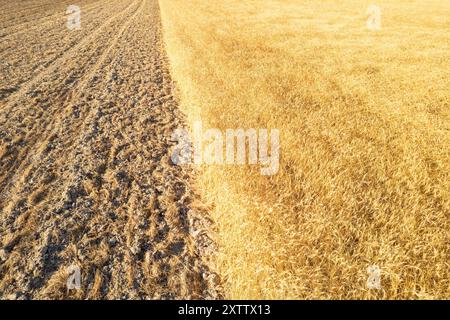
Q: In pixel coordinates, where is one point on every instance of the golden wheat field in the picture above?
(346, 102)
(364, 120)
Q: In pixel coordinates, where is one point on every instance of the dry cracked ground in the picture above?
(86, 179)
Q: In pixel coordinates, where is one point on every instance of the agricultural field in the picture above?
(364, 122)
(344, 192)
(86, 179)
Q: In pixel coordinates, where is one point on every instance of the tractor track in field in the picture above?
(86, 177)
(48, 21)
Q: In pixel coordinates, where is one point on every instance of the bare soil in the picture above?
(86, 118)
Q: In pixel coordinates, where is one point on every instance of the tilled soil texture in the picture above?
(86, 180)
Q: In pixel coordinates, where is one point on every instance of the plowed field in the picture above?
(86, 179)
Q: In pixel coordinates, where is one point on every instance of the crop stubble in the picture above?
(86, 179)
